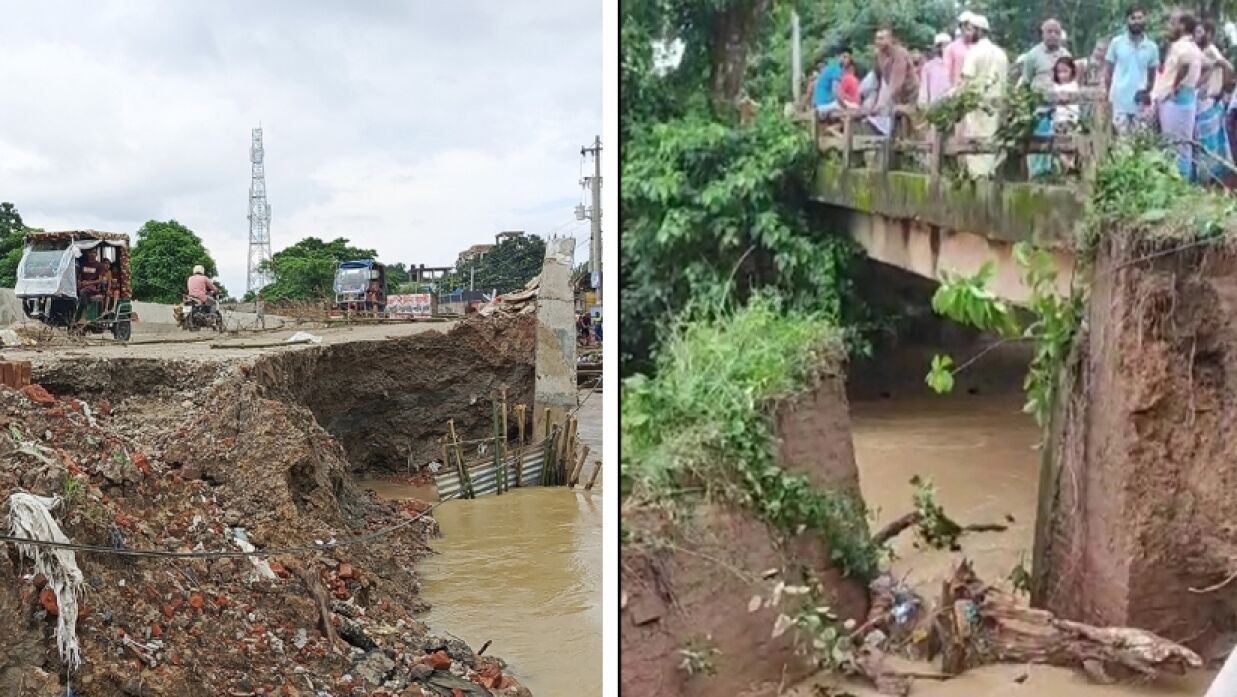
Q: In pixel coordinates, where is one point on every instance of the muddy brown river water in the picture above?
(981, 453)
(523, 570)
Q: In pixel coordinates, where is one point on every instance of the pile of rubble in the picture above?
(521, 302)
(182, 471)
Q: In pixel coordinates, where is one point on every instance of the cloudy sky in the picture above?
(415, 127)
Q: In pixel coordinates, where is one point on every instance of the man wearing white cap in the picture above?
(934, 81)
(955, 53)
(984, 69)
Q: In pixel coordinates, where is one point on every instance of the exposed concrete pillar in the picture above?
(1136, 492)
(556, 335)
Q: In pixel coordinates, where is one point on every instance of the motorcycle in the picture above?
(196, 315)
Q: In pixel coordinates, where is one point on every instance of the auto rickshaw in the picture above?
(52, 289)
(352, 287)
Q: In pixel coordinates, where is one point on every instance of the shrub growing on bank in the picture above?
(703, 425)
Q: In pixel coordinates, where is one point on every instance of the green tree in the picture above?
(306, 270)
(397, 275)
(164, 255)
(507, 267)
(12, 234)
(712, 210)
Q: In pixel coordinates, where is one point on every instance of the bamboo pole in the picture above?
(519, 453)
(593, 478)
(547, 459)
(503, 441)
(565, 455)
(555, 447)
(465, 480)
(575, 472)
(574, 443)
(498, 454)
(446, 455)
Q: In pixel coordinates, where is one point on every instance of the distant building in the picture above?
(507, 235)
(477, 251)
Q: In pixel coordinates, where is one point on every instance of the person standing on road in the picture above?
(1130, 64)
(955, 53)
(1175, 93)
(1209, 128)
(259, 306)
(895, 73)
(985, 71)
(1038, 71)
(934, 80)
(1091, 68)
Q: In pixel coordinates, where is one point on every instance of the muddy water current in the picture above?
(981, 452)
(522, 570)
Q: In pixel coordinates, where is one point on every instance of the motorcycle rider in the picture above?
(199, 285)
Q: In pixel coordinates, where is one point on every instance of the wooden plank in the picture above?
(988, 146)
(848, 141)
(935, 153)
(1100, 141)
(593, 479)
(867, 143)
(575, 472)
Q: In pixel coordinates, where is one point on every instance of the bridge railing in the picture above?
(915, 142)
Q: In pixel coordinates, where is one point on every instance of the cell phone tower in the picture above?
(259, 217)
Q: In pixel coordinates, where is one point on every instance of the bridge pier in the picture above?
(1138, 491)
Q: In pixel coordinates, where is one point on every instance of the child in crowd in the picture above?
(1065, 117)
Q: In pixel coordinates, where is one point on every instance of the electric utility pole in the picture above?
(796, 59)
(594, 215)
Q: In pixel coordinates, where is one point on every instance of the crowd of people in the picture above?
(1182, 90)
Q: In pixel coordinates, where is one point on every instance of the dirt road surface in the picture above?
(210, 347)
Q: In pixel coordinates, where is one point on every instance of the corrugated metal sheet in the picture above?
(485, 475)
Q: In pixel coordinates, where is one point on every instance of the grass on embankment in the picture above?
(1139, 189)
(704, 423)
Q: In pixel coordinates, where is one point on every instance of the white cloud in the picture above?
(414, 128)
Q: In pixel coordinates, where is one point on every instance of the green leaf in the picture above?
(941, 378)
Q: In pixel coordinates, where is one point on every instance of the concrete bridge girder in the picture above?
(929, 251)
(927, 225)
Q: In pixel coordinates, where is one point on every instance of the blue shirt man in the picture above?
(1132, 58)
(826, 82)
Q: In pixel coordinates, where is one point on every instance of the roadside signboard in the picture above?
(414, 304)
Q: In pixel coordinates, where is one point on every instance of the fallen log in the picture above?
(900, 525)
(980, 624)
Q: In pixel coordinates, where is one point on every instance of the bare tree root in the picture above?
(980, 624)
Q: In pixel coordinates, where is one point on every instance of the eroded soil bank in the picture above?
(690, 586)
(181, 455)
(1138, 503)
(385, 398)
